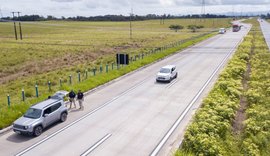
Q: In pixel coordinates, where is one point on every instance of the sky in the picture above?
(71, 8)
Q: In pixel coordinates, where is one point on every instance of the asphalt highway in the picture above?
(135, 115)
(265, 26)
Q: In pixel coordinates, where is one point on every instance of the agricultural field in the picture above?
(56, 49)
(234, 118)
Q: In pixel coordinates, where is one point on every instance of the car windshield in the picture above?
(33, 113)
(165, 70)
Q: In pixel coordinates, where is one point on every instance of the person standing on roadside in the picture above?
(80, 98)
(72, 96)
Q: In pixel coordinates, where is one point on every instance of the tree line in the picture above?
(267, 16)
(110, 17)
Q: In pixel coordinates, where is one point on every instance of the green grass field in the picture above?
(53, 50)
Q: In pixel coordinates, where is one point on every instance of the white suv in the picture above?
(167, 73)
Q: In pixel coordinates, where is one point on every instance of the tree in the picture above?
(195, 27)
(176, 27)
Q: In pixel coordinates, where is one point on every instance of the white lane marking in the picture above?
(92, 148)
(173, 82)
(81, 118)
(175, 125)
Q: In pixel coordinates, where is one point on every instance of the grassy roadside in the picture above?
(8, 115)
(246, 76)
(53, 50)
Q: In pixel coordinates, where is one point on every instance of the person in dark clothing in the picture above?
(72, 96)
(80, 98)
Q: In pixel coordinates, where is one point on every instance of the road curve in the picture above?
(134, 114)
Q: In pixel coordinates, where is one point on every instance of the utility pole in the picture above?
(162, 19)
(130, 23)
(20, 24)
(203, 9)
(15, 30)
(1, 13)
(164, 16)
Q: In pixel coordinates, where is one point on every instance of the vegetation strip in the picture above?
(211, 132)
(256, 137)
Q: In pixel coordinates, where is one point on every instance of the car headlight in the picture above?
(26, 127)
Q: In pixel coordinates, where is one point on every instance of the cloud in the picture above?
(222, 2)
(65, 0)
(102, 7)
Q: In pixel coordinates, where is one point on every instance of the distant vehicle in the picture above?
(167, 73)
(222, 31)
(236, 27)
(42, 115)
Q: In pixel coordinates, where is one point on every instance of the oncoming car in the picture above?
(167, 73)
(41, 115)
(222, 31)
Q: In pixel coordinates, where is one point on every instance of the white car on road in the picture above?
(167, 73)
(222, 31)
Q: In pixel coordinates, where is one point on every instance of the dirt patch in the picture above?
(238, 125)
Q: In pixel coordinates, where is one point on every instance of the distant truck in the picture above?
(236, 27)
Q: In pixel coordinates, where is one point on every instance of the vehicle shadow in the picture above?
(161, 83)
(20, 138)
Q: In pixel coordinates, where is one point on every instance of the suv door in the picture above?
(46, 115)
(56, 112)
(52, 114)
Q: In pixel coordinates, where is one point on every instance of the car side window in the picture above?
(47, 111)
(55, 106)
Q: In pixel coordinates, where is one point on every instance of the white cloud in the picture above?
(101, 7)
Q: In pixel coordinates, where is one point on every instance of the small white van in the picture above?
(222, 31)
(167, 73)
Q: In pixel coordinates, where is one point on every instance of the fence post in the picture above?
(70, 79)
(94, 71)
(23, 95)
(49, 85)
(86, 73)
(107, 68)
(8, 99)
(100, 68)
(60, 82)
(112, 65)
(36, 90)
(79, 76)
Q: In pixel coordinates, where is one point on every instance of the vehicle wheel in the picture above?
(63, 117)
(175, 75)
(37, 131)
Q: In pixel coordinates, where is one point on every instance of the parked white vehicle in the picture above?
(167, 73)
(222, 31)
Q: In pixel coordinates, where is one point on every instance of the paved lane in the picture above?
(265, 26)
(132, 115)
